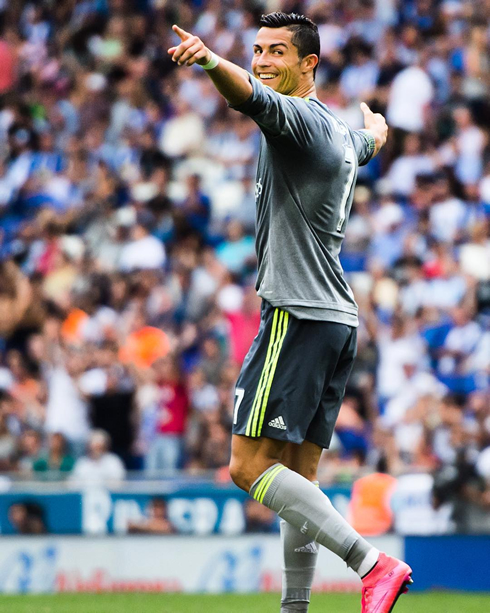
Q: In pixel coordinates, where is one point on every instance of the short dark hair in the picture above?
(305, 32)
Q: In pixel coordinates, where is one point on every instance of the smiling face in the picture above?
(276, 62)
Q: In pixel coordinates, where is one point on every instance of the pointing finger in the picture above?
(181, 33)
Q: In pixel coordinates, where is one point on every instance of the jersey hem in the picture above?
(318, 304)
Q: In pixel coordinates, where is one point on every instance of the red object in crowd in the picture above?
(173, 409)
(433, 269)
(47, 260)
(244, 328)
(7, 67)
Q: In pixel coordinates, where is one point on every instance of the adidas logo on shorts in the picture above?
(278, 422)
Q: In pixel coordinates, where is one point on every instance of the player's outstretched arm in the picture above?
(375, 124)
(230, 80)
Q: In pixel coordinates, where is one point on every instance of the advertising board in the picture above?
(160, 564)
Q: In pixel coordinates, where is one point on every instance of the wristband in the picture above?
(371, 141)
(213, 62)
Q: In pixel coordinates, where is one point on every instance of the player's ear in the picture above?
(310, 62)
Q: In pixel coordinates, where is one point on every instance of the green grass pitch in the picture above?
(266, 603)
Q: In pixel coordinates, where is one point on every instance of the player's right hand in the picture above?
(190, 51)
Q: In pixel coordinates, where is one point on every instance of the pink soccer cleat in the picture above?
(383, 585)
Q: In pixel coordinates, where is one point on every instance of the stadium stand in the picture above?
(127, 268)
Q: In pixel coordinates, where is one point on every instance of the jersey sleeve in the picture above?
(364, 144)
(278, 115)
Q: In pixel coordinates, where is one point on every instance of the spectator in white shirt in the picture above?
(474, 257)
(99, 466)
(411, 163)
(448, 288)
(410, 96)
(66, 410)
(394, 346)
(145, 251)
(470, 142)
(460, 342)
(447, 214)
(358, 80)
(183, 134)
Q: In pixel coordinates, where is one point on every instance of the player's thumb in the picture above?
(365, 109)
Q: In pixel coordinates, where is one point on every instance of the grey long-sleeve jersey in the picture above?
(306, 173)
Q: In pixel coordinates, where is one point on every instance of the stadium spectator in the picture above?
(109, 389)
(99, 466)
(57, 458)
(156, 522)
(370, 510)
(30, 446)
(171, 410)
(27, 518)
(259, 519)
(66, 410)
(144, 250)
(8, 441)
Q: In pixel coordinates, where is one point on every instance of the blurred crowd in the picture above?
(127, 272)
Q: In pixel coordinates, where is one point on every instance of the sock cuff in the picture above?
(296, 599)
(264, 487)
(255, 484)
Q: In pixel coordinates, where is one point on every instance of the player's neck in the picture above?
(304, 90)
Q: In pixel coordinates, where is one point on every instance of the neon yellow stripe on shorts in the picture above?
(270, 378)
(277, 341)
(266, 482)
(262, 379)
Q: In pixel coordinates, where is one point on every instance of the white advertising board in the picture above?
(217, 564)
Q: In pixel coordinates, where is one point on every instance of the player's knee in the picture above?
(245, 471)
(240, 473)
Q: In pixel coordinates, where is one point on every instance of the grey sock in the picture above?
(300, 503)
(300, 556)
(295, 607)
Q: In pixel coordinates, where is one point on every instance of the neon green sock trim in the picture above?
(265, 483)
(262, 484)
(269, 482)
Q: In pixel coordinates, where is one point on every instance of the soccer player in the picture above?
(293, 379)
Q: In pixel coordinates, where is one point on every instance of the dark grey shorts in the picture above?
(293, 378)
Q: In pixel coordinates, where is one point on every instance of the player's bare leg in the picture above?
(250, 457)
(303, 459)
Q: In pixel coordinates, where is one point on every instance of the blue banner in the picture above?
(192, 509)
(61, 513)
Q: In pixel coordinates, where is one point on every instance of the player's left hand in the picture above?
(375, 123)
(190, 51)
